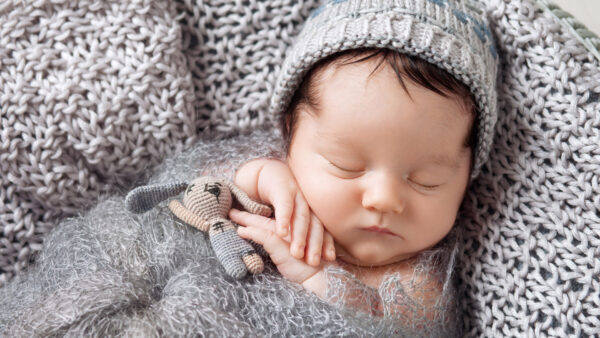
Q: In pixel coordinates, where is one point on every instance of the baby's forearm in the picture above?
(248, 175)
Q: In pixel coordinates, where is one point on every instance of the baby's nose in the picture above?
(383, 195)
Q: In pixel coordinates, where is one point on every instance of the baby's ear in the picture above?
(144, 198)
(249, 204)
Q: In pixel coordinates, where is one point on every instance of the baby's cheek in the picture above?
(315, 190)
(433, 219)
(332, 200)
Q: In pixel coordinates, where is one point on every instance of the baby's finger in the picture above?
(276, 247)
(328, 247)
(247, 219)
(283, 204)
(300, 226)
(251, 220)
(315, 242)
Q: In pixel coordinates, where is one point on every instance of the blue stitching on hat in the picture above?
(322, 7)
(493, 51)
(483, 33)
(317, 11)
(480, 33)
(460, 15)
(480, 29)
(441, 3)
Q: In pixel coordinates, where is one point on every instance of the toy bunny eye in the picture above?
(214, 189)
(189, 189)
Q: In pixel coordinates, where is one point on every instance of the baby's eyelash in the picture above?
(343, 169)
(426, 186)
(429, 186)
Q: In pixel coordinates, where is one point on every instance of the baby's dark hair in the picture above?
(405, 66)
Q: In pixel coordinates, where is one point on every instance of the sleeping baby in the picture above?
(388, 110)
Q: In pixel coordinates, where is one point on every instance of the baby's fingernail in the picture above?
(299, 251)
(331, 253)
(314, 260)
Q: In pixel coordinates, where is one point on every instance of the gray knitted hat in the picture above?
(453, 35)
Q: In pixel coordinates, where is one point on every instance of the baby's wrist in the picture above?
(316, 284)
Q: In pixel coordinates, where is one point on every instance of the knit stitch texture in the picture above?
(95, 93)
(530, 265)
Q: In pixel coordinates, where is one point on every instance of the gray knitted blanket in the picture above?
(93, 95)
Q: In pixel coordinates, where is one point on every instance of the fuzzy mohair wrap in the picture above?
(110, 272)
(93, 95)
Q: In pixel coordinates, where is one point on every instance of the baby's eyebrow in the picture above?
(335, 139)
(444, 160)
(441, 159)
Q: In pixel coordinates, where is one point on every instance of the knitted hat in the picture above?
(452, 35)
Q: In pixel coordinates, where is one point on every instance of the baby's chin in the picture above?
(367, 259)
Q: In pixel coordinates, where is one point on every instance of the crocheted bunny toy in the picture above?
(206, 203)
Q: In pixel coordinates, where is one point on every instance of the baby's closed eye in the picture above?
(346, 170)
(426, 185)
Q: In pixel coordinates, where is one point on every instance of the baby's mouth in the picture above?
(381, 230)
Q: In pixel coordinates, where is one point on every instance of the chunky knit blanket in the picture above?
(93, 95)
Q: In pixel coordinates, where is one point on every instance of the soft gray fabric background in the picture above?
(94, 94)
(532, 219)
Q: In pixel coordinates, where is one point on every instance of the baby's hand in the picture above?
(262, 231)
(276, 185)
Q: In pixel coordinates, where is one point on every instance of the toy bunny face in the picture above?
(208, 197)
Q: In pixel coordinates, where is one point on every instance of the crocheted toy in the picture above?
(206, 203)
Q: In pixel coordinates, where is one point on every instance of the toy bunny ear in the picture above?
(144, 198)
(187, 216)
(249, 204)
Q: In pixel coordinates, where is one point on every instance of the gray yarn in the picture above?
(111, 272)
(144, 198)
(529, 265)
(93, 93)
(230, 249)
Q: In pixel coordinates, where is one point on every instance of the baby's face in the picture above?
(384, 171)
